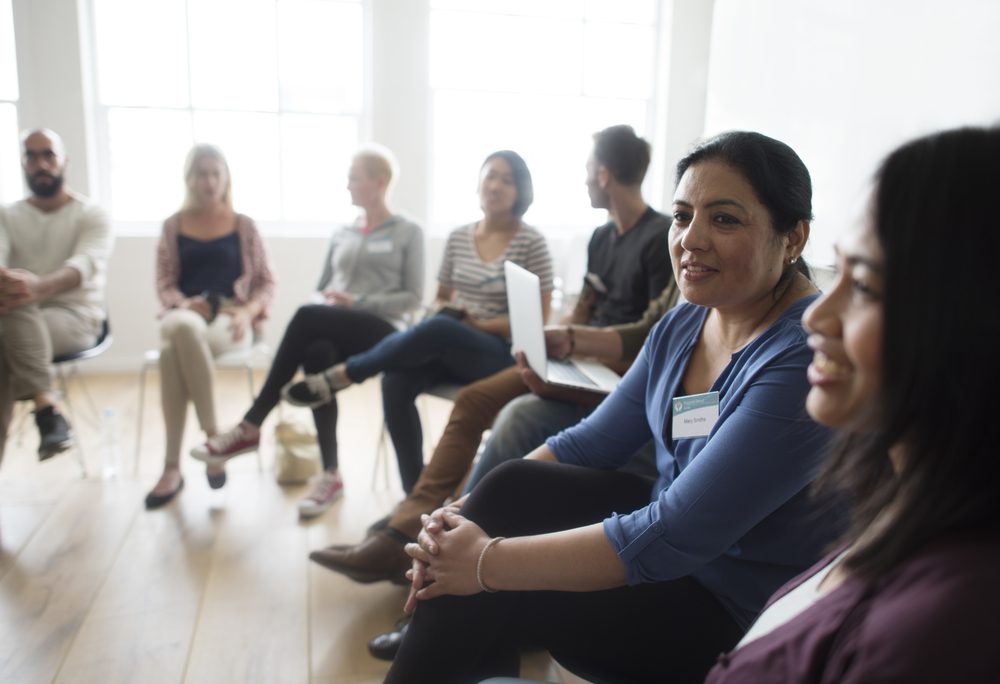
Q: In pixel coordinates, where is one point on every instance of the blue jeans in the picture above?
(439, 349)
(522, 425)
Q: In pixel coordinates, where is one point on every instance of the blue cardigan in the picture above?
(731, 509)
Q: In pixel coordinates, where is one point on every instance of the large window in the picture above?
(277, 84)
(10, 167)
(539, 77)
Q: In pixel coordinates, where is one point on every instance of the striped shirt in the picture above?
(479, 286)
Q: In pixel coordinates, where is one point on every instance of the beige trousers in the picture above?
(29, 338)
(188, 347)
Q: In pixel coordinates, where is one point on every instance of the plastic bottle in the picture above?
(110, 448)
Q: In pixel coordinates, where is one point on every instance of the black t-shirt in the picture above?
(625, 272)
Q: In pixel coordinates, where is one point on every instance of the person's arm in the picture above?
(450, 548)
(168, 267)
(583, 309)
(90, 256)
(633, 335)
(764, 451)
(500, 325)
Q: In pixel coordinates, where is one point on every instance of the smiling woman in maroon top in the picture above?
(906, 364)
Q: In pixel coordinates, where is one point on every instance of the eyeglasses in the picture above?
(32, 157)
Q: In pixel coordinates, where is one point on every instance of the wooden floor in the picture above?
(215, 587)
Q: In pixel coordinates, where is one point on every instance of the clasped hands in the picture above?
(17, 288)
(444, 556)
(239, 316)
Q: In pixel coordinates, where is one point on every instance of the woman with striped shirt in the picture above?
(467, 339)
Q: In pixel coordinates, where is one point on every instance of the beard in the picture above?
(45, 190)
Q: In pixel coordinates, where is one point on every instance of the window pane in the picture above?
(477, 51)
(535, 8)
(10, 166)
(321, 56)
(148, 148)
(8, 56)
(127, 29)
(250, 143)
(233, 54)
(316, 151)
(552, 133)
(623, 11)
(619, 60)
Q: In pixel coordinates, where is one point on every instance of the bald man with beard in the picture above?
(54, 247)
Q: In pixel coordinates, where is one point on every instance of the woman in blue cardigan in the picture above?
(621, 578)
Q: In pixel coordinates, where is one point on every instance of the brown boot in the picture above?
(378, 558)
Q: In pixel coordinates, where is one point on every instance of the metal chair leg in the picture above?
(77, 445)
(138, 425)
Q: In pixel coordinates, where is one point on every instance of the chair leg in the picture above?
(381, 458)
(249, 369)
(138, 424)
(77, 444)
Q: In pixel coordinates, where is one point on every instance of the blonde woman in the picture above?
(373, 275)
(214, 284)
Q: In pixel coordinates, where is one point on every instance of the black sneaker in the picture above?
(311, 392)
(56, 434)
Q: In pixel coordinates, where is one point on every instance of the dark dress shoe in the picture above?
(159, 500)
(385, 646)
(55, 434)
(378, 525)
(379, 558)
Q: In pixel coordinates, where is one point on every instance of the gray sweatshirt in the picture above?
(384, 269)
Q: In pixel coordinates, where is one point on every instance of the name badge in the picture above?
(380, 247)
(695, 415)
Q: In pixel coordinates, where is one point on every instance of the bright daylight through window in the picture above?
(280, 90)
(10, 168)
(539, 77)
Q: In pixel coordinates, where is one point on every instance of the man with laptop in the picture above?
(628, 268)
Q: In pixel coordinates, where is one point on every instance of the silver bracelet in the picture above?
(479, 565)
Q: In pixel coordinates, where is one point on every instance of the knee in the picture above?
(304, 314)
(434, 327)
(181, 325)
(318, 356)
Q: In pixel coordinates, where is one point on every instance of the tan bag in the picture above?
(296, 453)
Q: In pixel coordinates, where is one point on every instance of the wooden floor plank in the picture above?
(215, 587)
(46, 595)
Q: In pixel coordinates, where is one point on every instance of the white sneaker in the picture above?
(327, 488)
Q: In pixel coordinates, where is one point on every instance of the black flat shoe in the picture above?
(216, 481)
(159, 500)
(385, 646)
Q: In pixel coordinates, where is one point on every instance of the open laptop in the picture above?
(527, 331)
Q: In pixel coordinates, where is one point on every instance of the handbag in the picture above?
(296, 453)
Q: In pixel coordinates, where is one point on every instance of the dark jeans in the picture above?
(660, 632)
(318, 337)
(439, 349)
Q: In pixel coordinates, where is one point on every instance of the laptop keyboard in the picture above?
(566, 373)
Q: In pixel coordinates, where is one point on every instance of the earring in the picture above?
(792, 260)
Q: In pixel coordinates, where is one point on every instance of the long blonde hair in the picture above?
(197, 153)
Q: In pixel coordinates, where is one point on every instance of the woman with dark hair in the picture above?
(911, 594)
(467, 339)
(620, 578)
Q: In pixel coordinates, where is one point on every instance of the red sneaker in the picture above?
(219, 449)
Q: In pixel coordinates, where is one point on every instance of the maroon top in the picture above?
(932, 620)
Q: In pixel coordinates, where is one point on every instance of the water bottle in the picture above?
(110, 448)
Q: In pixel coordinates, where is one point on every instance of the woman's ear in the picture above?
(795, 241)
